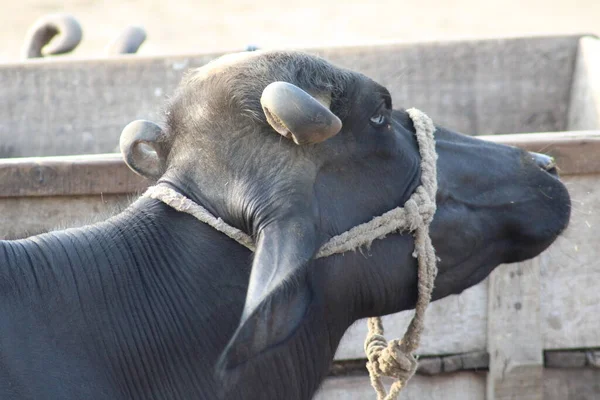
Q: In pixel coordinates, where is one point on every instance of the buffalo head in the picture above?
(293, 150)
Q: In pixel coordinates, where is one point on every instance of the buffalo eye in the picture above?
(379, 119)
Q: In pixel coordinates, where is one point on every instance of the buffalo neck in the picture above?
(136, 297)
(147, 299)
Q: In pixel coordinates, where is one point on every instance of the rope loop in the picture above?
(374, 345)
(396, 359)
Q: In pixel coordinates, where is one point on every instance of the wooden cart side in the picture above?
(584, 107)
(492, 86)
(575, 154)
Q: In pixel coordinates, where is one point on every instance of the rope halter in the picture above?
(396, 358)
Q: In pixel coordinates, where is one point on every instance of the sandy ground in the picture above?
(196, 26)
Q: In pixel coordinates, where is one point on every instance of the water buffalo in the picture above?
(154, 304)
(61, 33)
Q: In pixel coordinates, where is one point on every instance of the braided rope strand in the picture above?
(396, 359)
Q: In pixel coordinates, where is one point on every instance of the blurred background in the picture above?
(188, 26)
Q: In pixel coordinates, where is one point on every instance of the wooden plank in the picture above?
(514, 333)
(455, 386)
(21, 217)
(69, 175)
(593, 358)
(431, 366)
(584, 107)
(558, 384)
(434, 365)
(73, 106)
(477, 360)
(478, 87)
(570, 273)
(455, 324)
(572, 384)
(575, 153)
(565, 359)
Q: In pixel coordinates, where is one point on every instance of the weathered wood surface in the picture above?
(557, 384)
(68, 176)
(575, 153)
(459, 385)
(60, 107)
(570, 359)
(584, 108)
(25, 216)
(476, 360)
(570, 273)
(514, 333)
(455, 324)
(476, 87)
(571, 384)
(429, 365)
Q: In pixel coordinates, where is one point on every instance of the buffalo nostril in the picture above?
(543, 161)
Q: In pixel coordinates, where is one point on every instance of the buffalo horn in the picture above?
(297, 115)
(42, 32)
(127, 42)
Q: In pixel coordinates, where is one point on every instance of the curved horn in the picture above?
(40, 34)
(127, 42)
(135, 139)
(297, 115)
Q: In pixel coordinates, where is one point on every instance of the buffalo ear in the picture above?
(143, 147)
(279, 294)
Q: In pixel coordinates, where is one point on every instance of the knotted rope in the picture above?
(394, 359)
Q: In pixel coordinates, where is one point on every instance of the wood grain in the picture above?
(575, 153)
(454, 386)
(572, 384)
(514, 333)
(455, 324)
(68, 176)
(25, 216)
(492, 86)
(570, 273)
(584, 107)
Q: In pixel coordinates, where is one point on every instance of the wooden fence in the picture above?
(479, 87)
(529, 331)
